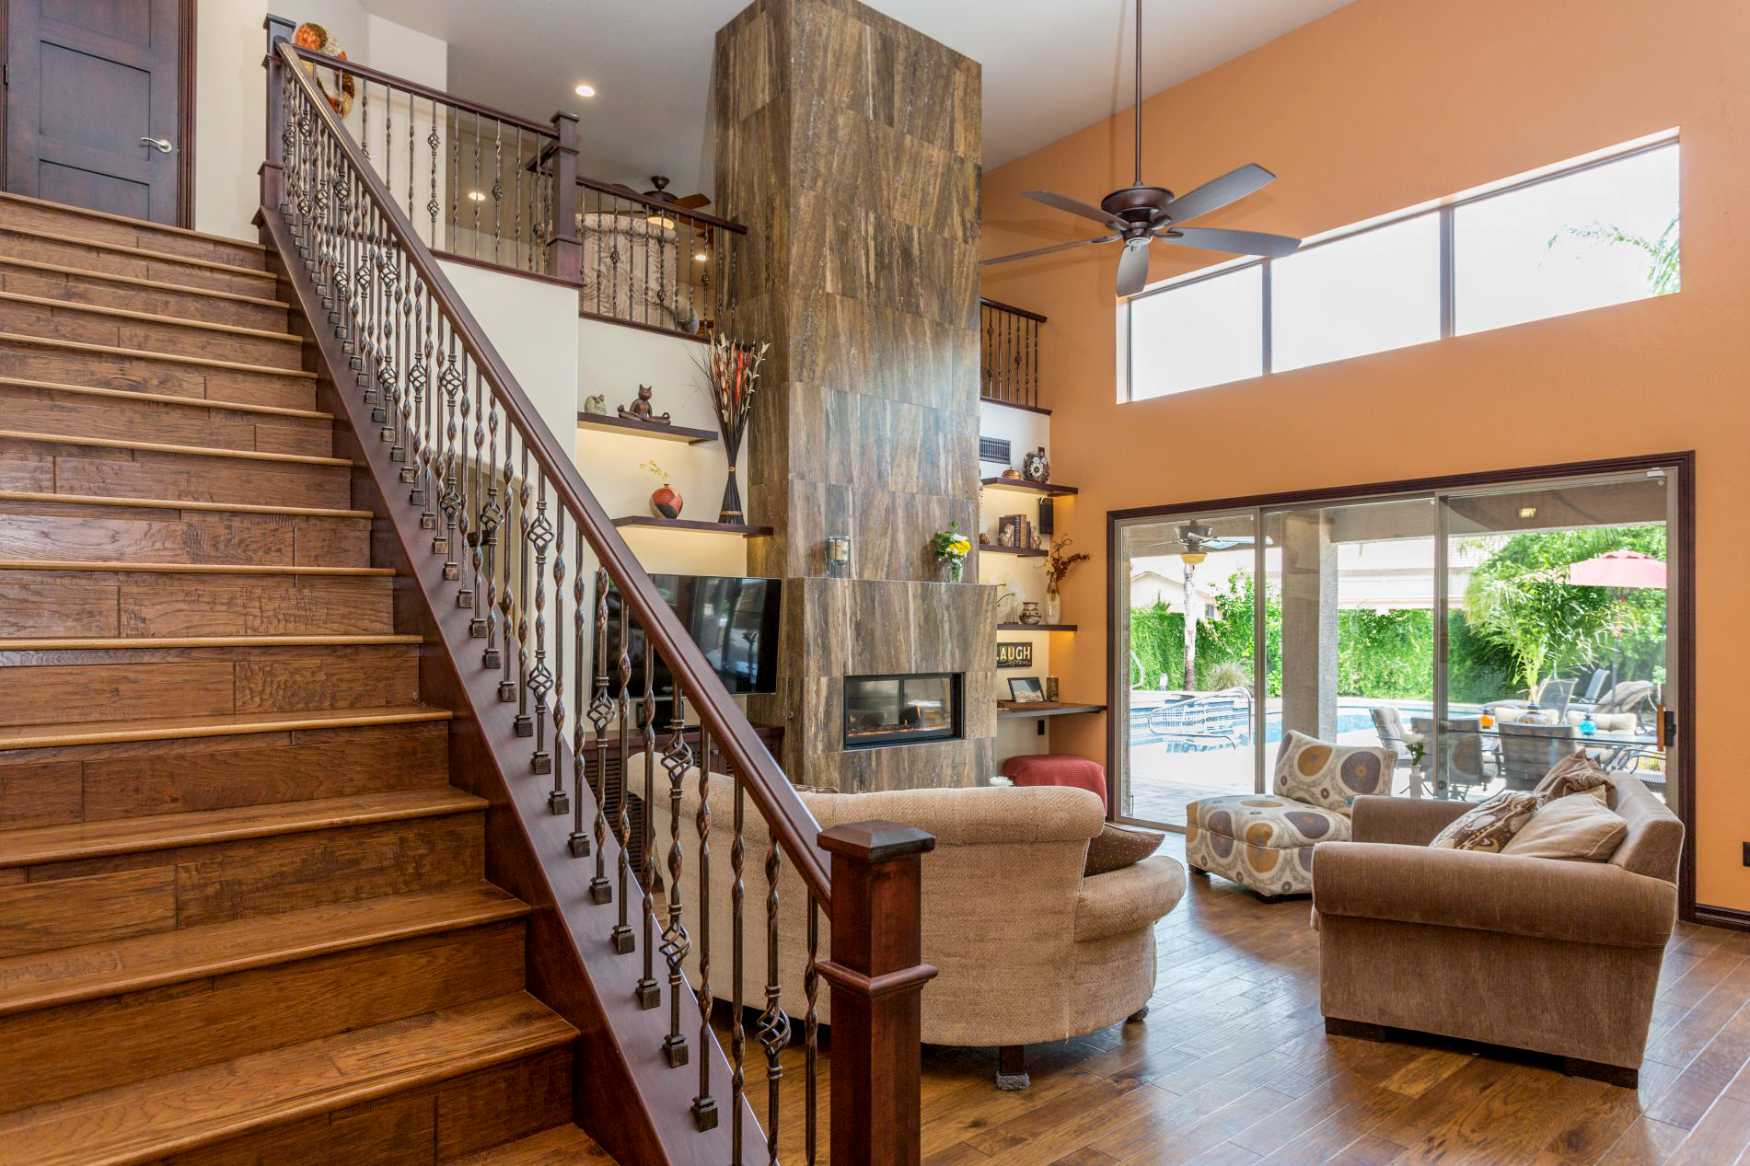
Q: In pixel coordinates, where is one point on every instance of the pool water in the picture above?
(1351, 718)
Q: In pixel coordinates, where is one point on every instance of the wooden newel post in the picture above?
(272, 173)
(565, 253)
(877, 975)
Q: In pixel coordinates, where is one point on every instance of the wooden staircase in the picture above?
(242, 910)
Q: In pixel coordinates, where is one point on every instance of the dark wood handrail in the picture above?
(998, 305)
(391, 81)
(773, 796)
(609, 188)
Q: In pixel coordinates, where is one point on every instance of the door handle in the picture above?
(162, 145)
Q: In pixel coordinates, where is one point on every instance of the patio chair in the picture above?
(1629, 696)
(1390, 726)
(1462, 764)
(1553, 696)
(1594, 687)
(1528, 752)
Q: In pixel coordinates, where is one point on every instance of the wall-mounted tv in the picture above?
(734, 622)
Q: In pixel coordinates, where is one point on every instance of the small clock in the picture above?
(1035, 466)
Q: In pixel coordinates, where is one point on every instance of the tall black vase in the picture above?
(731, 510)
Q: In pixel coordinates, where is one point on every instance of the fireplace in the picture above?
(902, 710)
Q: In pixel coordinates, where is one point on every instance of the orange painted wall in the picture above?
(1379, 106)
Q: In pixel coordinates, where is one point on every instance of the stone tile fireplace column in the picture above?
(850, 144)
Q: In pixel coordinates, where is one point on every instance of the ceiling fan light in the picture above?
(1192, 558)
(584, 89)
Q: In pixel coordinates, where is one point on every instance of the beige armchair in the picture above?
(1532, 953)
(1026, 948)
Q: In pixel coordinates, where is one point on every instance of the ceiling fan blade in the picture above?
(1217, 193)
(1049, 250)
(1064, 203)
(1234, 242)
(693, 202)
(1133, 267)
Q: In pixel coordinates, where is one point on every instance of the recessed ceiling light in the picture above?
(584, 89)
(701, 257)
(1528, 512)
(476, 196)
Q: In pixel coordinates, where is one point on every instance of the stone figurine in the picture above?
(643, 410)
(596, 404)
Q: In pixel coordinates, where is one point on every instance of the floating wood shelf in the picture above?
(644, 428)
(1026, 487)
(1008, 710)
(740, 528)
(1036, 627)
(1023, 552)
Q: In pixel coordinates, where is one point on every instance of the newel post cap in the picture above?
(876, 841)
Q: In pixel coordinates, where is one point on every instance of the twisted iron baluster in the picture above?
(578, 842)
(811, 1034)
(622, 936)
(426, 437)
(409, 347)
(484, 624)
(677, 758)
(649, 994)
(451, 383)
(737, 999)
(476, 245)
(466, 490)
(773, 1027)
(516, 201)
(410, 120)
(704, 1105)
(601, 711)
(432, 205)
(558, 801)
(497, 184)
(541, 678)
(507, 688)
(523, 725)
(484, 492)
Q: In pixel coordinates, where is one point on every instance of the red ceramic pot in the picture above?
(665, 502)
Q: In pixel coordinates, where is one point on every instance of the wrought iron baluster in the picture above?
(432, 206)
(704, 1105)
(773, 1030)
(451, 383)
(497, 184)
(558, 801)
(485, 625)
(469, 491)
(737, 965)
(601, 712)
(623, 939)
(541, 677)
(507, 688)
(453, 127)
(649, 994)
(524, 727)
(677, 758)
(474, 250)
(578, 842)
(516, 202)
(407, 340)
(811, 1036)
(411, 106)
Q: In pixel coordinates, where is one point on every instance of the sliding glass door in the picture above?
(1479, 633)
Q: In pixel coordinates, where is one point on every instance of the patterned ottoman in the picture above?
(1266, 842)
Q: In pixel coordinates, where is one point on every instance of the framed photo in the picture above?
(1051, 689)
(1014, 654)
(1026, 690)
(1009, 530)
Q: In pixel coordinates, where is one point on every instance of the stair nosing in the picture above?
(305, 459)
(165, 643)
(150, 317)
(143, 252)
(123, 568)
(111, 217)
(174, 504)
(207, 828)
(141, 281)
(148, 354)
(166, 399)
(320, 720)
(470, 909)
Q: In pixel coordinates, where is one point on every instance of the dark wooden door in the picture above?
(88, 83)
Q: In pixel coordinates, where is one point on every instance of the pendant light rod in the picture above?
(1136, 115)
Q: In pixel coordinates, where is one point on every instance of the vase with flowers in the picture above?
(732, 373)
(1058, 562)
(952, 547)
(665, 500)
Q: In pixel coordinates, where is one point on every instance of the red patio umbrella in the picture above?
(1624, 570)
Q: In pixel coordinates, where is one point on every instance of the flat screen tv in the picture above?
(734, 622)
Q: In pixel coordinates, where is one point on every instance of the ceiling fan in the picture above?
(1142, 215)
(1198, 540)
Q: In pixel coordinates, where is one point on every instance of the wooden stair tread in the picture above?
(303, 459)
(152, 317)
(186, 568)
(78, 840)
(142, 252)
(130, 221)
(64, 975)
(148, 354)
(139, 281)
(115, 643)
(173, 1114)
(559, 1146)
(59, 736)
(177, 504)
(168, 399)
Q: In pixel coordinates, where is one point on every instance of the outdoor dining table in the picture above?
(1613, 750)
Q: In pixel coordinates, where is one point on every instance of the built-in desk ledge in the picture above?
(694, 524)
(1008, 710)
(1036, 627)
(1023, 552)
(656, 429)
(1026, 487)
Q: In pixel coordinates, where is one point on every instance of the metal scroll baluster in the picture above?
(601, 712)
(497, 185)
(558, 801)
(523, 725)
(677, 758)
(387, 374)
(507, 688)
(365, 120)
(516, 201)
(737, 962)
(811, 1035)
(432, 205)
(450, 381)
(410, 134)
(408, 352)
(472, 408)
(485, 624)
(704, 1105)
(474, 195)
(773, 1031)
(623, 939)
(541, 677)
(578, 843)
(427, 414)
(466, 492)
(648, 992)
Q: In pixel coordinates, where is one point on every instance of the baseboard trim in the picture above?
(1730, 917)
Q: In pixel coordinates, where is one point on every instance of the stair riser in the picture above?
(415, 1127)
(88, 327)
(96, 783)
(51, 468)
(62, 1052)
(104, 604)
(84, 415)
(71, 253)
(170, 376)
(160, 301)
(86, 686)
(47, 530)
(57, 221)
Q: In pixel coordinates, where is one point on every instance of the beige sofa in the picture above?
(1556, 957)
(1026, 948)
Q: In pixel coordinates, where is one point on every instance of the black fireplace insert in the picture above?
(902, 710)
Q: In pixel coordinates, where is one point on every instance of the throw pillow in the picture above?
(1116, 847)
(1575, 827)
(1574, 774)
(1330, 776)
(1489, 825)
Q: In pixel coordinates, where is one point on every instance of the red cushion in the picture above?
(1058, 769)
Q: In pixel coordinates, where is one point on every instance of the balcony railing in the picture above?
(489, 187)
(1008, 340)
